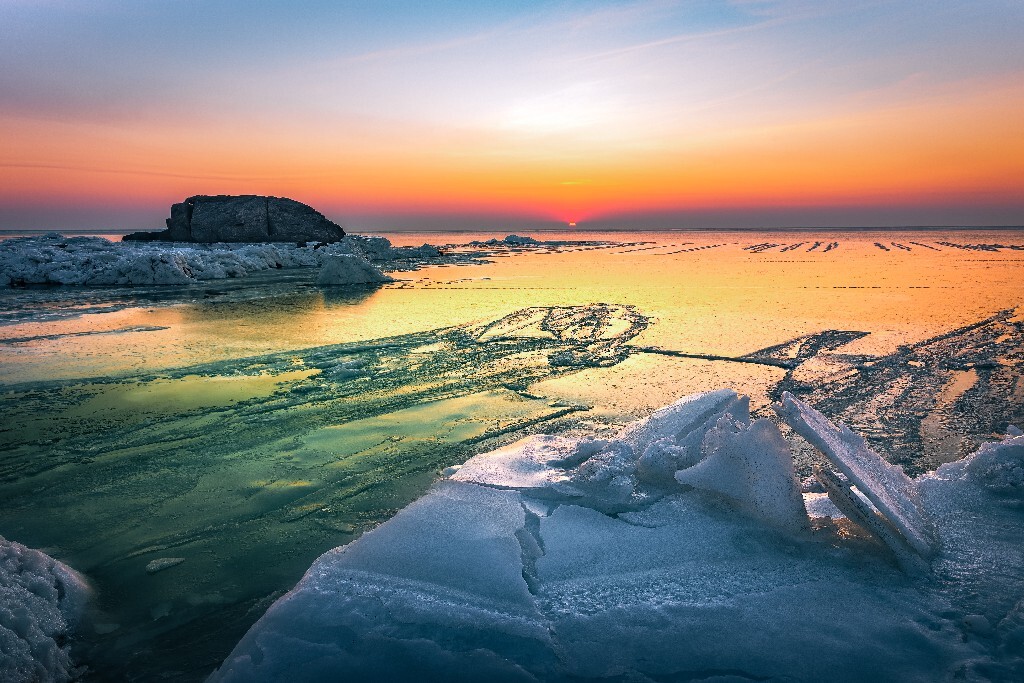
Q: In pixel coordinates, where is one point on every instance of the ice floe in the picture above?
(41, 601)
(681, 549)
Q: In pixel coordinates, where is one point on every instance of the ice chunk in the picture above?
(858, 509)
(596, 470)
(431, 594)
(997, 466)
(348, 269)
(477, 582)
(162, 563)
(681, 446)
(751, 467)
(890, 490)
(526, 465)
(41, 602)
(679, 419)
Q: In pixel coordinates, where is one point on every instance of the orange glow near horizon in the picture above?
(970, 150)
(591, 147)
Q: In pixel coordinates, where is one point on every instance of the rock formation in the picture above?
(243, 218)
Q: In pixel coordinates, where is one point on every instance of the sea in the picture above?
(192, 449)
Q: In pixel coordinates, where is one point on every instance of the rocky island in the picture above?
(243, 218)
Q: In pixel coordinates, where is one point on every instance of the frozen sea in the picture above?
(245, 426)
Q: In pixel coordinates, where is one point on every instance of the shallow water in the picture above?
(249, 425)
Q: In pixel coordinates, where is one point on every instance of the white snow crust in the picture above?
(562, 559)
(58, 260)
(41, 601)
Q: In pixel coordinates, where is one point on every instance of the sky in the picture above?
(420, 114)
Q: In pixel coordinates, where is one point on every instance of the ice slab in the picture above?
(891, 491)
(677, 420)
(41, 601)
(752, 467)
(436, 591)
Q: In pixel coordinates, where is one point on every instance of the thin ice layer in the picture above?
(885, 485)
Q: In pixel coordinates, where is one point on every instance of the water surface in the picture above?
(249, 425)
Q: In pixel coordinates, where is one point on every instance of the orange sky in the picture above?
(723, 121)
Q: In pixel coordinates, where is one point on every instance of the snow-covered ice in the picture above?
(349, 269)
(58, 260)
(41, 601)
(557, 559)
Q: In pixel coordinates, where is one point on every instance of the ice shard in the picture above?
(888, 488)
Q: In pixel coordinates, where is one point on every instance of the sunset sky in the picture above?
(469, 114)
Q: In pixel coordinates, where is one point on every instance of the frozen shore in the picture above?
(58, 260)
(684, 547)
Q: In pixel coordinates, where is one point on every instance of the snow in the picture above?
(41, 601)
(555, 559)
(58, 260)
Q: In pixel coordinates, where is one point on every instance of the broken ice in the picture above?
(563, 558)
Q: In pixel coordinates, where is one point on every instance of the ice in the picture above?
(552, 560)
(41, 602)
(56, 259)
(431, 594)
(891, 491)
(524, 465)
(679, 419)
(684, 588)
(599, 471)
(348, 269)
(753, 468)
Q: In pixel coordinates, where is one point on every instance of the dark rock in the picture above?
(243, 218)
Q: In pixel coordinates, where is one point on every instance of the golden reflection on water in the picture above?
(706, 293)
